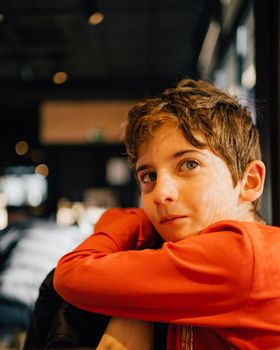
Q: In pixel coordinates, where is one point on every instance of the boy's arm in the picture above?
(181, 282)
(127, 334)
(120, 229)
(137, 233)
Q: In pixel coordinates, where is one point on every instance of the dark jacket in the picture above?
(57, 324)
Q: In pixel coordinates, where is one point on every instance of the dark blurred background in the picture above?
(70, 70)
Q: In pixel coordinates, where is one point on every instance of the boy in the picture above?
(216, 278)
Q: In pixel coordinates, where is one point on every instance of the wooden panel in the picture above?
(71, 122)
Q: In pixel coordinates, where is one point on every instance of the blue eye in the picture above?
(149, 177)
(189, 165)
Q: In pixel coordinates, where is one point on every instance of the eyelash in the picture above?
(185, 162)
(142, 178)
(188, 162)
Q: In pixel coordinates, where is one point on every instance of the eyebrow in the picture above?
(173, 156)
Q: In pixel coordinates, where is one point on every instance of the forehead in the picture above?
(166, 140)
(165, 132)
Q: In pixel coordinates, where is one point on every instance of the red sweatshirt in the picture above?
(217, 290)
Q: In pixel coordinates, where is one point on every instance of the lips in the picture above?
(170, 218)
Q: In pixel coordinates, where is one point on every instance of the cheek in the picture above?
(212, 197)
(147, 206)
(198, 192)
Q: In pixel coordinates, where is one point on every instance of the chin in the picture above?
(175, 237)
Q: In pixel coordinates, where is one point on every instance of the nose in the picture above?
(165, 190)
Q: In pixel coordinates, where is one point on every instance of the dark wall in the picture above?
(267, 38)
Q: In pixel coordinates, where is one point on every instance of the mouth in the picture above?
(171, 218)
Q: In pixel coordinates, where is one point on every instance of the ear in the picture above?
(253, 181)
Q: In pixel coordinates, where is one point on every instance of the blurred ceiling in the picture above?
(139, 45)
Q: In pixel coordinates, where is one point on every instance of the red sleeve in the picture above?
(203, 280)
(122, 229)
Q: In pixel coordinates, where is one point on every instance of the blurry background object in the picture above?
(3, 212)
(22, 185)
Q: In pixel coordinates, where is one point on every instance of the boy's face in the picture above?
(183, 188)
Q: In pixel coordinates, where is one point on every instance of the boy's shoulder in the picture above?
(255, 232)
(238, 226)
(233, 243)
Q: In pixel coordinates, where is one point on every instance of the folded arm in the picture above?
(194, 280)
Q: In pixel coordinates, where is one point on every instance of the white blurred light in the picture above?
(3, 212)
(27, 189)
(36, 189)
(117, 171)
(249, 77)
(65, 216)
(12, 188)
(241, 41)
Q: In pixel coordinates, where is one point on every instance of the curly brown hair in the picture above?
(198, 108)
